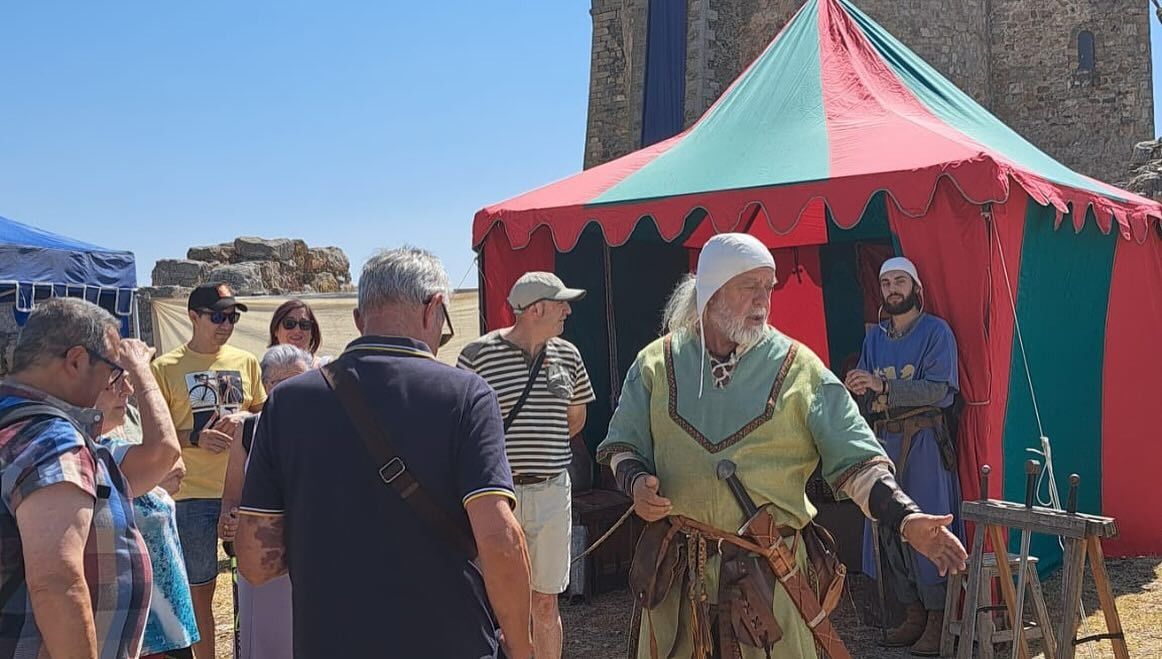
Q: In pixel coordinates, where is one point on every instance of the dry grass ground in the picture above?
(598, 630)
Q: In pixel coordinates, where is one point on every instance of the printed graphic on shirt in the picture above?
(213, 394)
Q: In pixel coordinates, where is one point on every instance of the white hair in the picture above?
(681, 311)
(282, 357)
(403, 275)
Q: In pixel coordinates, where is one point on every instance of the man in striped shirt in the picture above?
(537, 435)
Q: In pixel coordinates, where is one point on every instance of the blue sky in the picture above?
(156, 126)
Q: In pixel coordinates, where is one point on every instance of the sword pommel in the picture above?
(1071, 506)
(985, 470)
(726, 471)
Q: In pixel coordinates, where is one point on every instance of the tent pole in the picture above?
(611, 326)
(136, 316)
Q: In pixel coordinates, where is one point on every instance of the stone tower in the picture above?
(1072, 76)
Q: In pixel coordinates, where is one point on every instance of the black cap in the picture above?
(214, 297)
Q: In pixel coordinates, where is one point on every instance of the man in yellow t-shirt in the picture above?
(210, 388)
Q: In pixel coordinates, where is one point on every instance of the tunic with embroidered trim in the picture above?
(781, 414)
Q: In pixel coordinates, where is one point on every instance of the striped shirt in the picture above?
(537, 442)
(38, 453)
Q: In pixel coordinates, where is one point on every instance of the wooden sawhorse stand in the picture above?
(1082, 535)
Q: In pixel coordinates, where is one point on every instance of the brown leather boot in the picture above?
(915, 620)
(929, 643)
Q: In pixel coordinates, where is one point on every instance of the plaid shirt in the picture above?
(37, 453)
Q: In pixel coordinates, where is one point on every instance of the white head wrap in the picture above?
(724, 257)
(900, 264)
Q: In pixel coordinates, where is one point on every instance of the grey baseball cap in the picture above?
(533, 287)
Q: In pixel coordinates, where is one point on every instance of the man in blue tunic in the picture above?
(906, 381)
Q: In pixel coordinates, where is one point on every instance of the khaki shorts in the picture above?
(545, 512)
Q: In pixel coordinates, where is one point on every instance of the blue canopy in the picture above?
(36, 264)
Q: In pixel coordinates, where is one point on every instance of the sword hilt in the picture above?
(984, 482)
(1071, 506)
(1032, 468)
(727, 471)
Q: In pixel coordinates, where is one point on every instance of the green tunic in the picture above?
(781, 415)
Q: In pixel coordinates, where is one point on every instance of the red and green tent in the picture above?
(838, 147)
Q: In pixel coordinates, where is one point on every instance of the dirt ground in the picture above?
(598, 629)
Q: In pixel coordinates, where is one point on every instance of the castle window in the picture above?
(1085, 51)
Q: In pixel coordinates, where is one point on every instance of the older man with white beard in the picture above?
(725, 414)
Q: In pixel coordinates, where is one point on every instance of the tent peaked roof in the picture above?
(835, 109)
(31, 256)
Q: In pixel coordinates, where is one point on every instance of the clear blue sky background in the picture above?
(156, 126)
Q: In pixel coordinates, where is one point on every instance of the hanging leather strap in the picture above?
(524, 395)
(392, 469)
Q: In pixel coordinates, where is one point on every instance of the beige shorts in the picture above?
(545, 512)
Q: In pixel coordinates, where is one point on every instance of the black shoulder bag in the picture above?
(393, 471)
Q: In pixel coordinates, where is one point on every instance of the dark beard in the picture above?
(912, 301)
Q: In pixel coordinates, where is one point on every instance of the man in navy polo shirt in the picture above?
(373, 577)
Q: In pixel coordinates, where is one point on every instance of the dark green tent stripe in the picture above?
(1062, 295)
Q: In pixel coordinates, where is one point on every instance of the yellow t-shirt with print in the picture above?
(198, 387)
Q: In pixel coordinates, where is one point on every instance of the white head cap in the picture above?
(724, 257)
(901, 264)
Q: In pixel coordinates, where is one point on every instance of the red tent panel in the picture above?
(503, 265)
(951, 249)
(1131, 453)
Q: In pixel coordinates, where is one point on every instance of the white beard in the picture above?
(735, 328)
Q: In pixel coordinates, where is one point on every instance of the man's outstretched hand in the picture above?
(930, 536)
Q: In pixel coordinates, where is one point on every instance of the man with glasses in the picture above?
(543, 389)
(375, 482)
(210, 388)
(76, 573)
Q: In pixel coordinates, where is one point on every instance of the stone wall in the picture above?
(256, 266)
(1087, 120)
(1016, 57)
(615, 79)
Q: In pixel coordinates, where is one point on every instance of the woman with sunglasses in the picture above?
(170, 629)
(294, 323)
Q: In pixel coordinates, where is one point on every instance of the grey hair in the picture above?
(681, 311)
(59, 324)
(284, 356)
(403, 275)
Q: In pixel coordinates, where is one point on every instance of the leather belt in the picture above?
(529, 479)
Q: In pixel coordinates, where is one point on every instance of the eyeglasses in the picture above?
(304, 324)
(445, 337)
(116, 370)
(219, 317)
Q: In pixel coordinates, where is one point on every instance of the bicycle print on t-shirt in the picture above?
(213, 394)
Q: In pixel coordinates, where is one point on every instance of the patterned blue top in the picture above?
(171, 624)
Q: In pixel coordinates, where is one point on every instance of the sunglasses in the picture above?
(219, 317)
(116, 371)
(445, 337)
(304, 324)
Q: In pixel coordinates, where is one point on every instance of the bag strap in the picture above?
(524, 395)
(10, 416)
(393, 471)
